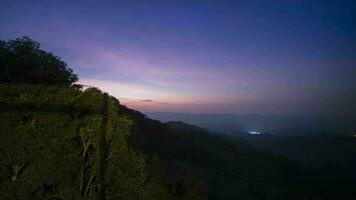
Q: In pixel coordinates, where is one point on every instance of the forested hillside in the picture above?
(60, 141)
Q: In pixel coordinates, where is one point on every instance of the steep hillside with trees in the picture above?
(59, 141)
(62, 143)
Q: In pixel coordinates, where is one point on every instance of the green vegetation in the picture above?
(22, 61)
(61, 142)
(222, 169)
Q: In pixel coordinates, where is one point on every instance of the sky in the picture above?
(265, 57)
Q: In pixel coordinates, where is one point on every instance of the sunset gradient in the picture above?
(275, 57)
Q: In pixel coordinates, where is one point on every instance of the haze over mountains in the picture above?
(76, 77)
(62, 141)
(272, 124)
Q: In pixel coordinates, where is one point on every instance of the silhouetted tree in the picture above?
(23, 61)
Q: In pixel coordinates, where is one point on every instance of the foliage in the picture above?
(199, 165)
(23, 61)
(62, 143)
(230, 169)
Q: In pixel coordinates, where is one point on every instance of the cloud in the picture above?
(147, 100)
(138, 92)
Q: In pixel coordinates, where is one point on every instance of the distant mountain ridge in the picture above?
(277, 125)
(64, 142)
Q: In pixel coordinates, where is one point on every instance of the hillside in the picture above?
(64, 132)
(227, 170)
(232, 169)
(60, 141)
(334, 149)
(57, 132)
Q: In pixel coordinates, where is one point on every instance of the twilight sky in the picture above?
(270, 57)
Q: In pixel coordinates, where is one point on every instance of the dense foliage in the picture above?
(61, 143)
(221, 169)
(23, 61)
(232, 169)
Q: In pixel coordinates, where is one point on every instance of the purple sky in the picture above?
(275, 57)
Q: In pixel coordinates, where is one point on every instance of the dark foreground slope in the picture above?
(61, 143)
(227, 170)
(331, 161)
(58, 142)
(233, 170)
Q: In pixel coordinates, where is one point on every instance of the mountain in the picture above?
(64, 143)
(51, 139)
(326, 148)
(224, 169)
(60, 141)
(276, 125)
(329, 159)
(231, 169)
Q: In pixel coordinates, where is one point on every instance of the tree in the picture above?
(23, 61)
